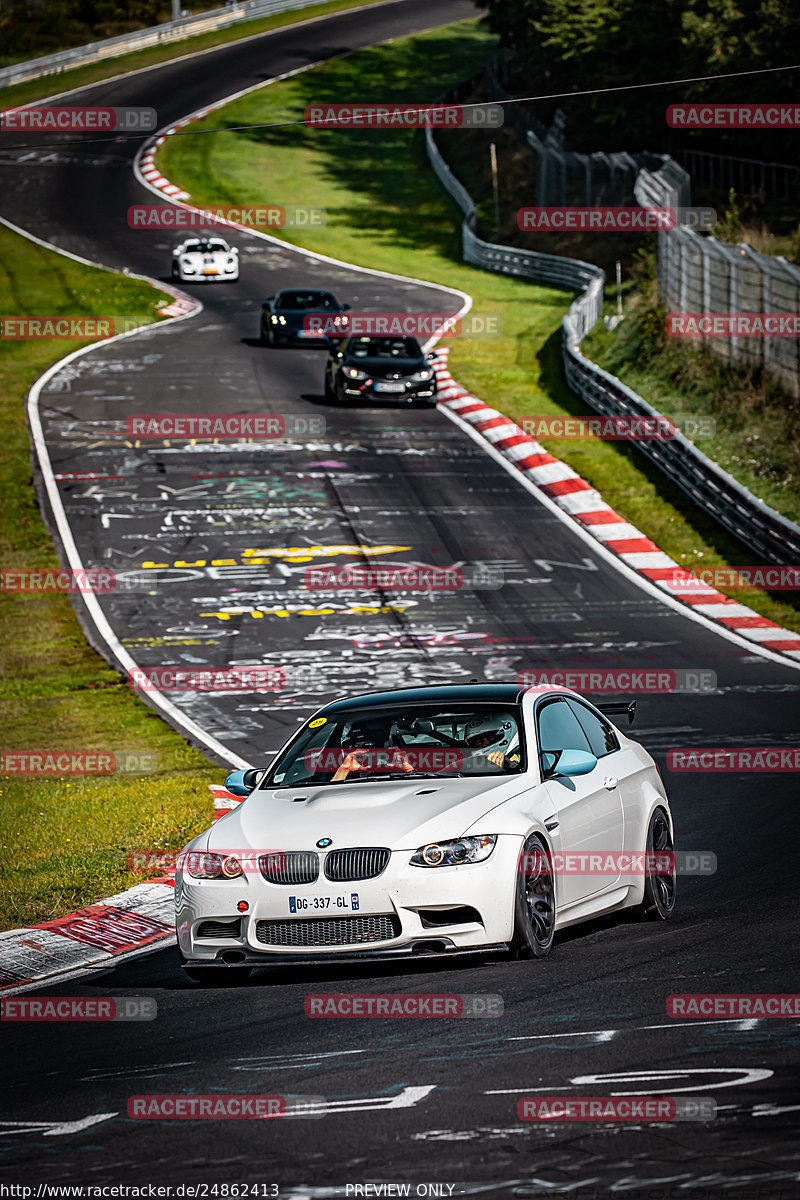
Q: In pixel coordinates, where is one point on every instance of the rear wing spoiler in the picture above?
(617, 707)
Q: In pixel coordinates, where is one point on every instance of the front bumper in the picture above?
(431, 910)
(352, 390)
(199, 277)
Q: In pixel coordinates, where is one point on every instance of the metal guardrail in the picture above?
(746, 175)
(140, 39)
(772, 537)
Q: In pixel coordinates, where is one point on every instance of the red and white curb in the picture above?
(94, 936)
(586, 506)
(153, 175)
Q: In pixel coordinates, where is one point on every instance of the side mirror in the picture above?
(241, 783)
(234, 250)
(345, 308)
(574, 762)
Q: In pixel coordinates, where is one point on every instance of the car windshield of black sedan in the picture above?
(297, 301)
(384, 347)
(421, 740)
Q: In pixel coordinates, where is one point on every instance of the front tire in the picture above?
(535, 901)
(659, 885)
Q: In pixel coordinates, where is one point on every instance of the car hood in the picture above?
(380, 368)
(400, 814)
(296, 316)
(197, 256)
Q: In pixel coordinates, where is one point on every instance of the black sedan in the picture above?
(301, 315)
(380, 368)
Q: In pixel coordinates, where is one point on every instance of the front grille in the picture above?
(293, 867)
(350, 865)
(218, 929)
(328, 931)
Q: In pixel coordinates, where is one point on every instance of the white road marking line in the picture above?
(53, 1128)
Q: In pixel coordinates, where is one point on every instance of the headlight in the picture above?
(231, 264)
(451, 854)
(187, 269)
(353, 373)
(212, 866)
(278, 319)
(422, 376)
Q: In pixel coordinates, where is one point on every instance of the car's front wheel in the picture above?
(658, 903)
(535, 903)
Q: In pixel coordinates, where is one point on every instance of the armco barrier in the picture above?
(772, 537)
(140, 39)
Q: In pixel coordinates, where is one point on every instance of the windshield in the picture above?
(206, 248)
(412, 741)
(384, 347)
(300, 300)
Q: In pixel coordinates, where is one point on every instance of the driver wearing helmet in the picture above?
(366, 739)
(497, 733)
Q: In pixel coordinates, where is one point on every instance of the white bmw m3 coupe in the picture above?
(428, 821)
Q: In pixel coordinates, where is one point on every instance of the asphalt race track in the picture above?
(422, 1102)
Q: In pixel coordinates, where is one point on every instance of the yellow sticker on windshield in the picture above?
(316, 724)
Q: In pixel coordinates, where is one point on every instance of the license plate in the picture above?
(321, 904)
(211, 271)
(390, 387)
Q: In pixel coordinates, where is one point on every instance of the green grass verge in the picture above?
(64, 841)
(81, 77)
(386, 209)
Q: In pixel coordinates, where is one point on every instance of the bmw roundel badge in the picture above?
(323, 842)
